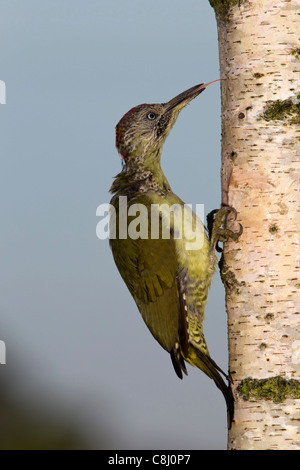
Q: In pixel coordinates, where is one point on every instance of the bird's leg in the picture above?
(218, 231)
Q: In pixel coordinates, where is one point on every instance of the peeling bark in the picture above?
(259, 58)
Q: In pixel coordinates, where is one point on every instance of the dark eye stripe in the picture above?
(162, 125)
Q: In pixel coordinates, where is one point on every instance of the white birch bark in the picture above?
(259, 46)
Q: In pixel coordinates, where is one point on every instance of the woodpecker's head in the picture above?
(143, 130)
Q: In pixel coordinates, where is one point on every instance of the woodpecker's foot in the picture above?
(217, 228)
(227, 376)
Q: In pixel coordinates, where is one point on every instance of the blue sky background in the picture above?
(76, 344)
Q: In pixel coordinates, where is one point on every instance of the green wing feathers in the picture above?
(148, 268)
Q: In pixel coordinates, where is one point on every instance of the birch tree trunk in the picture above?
(259, 48)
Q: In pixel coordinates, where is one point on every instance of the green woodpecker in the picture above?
(168, 281)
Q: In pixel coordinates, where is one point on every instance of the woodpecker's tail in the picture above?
(204, 362)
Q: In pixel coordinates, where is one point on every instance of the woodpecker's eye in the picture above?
(151, 116)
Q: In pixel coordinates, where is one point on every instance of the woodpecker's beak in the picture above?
(185, 97)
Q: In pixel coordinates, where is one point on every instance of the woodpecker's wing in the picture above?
(149, 268)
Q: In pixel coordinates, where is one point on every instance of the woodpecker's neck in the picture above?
(141, 174)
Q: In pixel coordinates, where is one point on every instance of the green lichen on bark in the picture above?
(222, 7)
(276, 389)
(282, 110)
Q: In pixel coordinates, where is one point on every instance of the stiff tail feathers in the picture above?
(208, 365)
